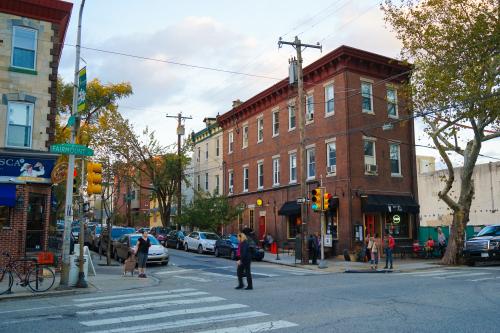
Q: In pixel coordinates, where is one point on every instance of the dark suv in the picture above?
(485, 246)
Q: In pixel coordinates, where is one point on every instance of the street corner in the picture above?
(55, 292)
(367, 270)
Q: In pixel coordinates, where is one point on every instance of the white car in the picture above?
(200, 241)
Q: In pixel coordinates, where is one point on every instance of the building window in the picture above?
(251, 219)
(216, 184)
(19, 127)
(291, 117)
(198, 183)
(199, 154)
(276, 123)
(4, 217)
(276, 171)
(260, 175)
(329, 106)
(260, 129)
(206, 181)
(292, 226)
(231, 181)
(293, 168)
(217, 147)
(24, 48)
(310, 107)
(311, 163)
(245, 179)
(231, 142)
(370, 160)
(331, 157)
(366, 95)
(392, 102)
(395, 157)
(206, 152)
(245, 136)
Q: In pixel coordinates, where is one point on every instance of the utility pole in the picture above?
(180, 132)
(68, 212)
(297, 45)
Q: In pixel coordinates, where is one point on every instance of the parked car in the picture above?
(485, 246)
(200, 241)
(126, 244)
(94, 237)
(116, 233)
(141, 230)
(227, 246)
(175, 239)
(160, 233)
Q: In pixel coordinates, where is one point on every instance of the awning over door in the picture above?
(376, 203)
(289, 208)
(8, 195)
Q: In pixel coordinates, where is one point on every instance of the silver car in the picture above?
(126, 244)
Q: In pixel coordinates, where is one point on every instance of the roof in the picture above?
(54, 11)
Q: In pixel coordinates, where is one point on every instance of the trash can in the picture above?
(74, 268)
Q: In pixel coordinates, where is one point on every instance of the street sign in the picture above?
(71, 149)
(71, 120)
(301, 200)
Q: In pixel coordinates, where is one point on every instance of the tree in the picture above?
(454, 46)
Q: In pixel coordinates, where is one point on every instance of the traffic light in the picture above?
(94, 178)
(327, 200)
(316, 199)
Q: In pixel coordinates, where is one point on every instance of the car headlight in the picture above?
(494, 244)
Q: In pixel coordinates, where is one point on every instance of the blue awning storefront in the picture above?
(8, 195)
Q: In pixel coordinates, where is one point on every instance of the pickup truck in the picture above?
(485, 246)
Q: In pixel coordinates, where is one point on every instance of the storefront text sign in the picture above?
(396, 219)
(28, 169)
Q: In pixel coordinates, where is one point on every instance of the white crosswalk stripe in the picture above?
(461, 274)
(142, 294)
(143, 299)
(260, 327)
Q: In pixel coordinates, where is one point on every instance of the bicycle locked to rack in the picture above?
(28, 271)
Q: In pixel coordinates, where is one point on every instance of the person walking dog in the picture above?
(244, 262)
(389, 244)
(142, 249)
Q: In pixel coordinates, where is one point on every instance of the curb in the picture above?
(51, 293)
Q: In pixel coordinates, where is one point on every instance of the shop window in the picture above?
(4, 216)
(398, 225)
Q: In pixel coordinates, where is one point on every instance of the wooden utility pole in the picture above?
(297, 44)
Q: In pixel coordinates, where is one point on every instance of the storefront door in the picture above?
(35, 222)
(262, 227)
(372, 224)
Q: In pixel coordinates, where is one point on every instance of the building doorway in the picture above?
(262, 227)
(372, 224)
(35, 225)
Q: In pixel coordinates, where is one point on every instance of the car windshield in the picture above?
(118, 232)
(490, 231)
(209, 236)
(133, 240)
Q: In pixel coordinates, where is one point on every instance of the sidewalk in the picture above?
(339, 265)
(108, 278)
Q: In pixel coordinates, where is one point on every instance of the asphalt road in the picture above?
(196, 294)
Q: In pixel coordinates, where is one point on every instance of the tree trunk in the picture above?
(455, 245)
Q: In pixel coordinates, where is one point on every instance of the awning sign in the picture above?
(32, 169)
(394, 208)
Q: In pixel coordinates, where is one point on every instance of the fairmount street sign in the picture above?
(71, 149)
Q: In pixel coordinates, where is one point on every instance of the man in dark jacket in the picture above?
(244, 262)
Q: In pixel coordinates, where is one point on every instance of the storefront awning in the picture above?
(8, 195)
(376, 203)
(289, 208)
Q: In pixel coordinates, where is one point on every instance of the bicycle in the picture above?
(38, 278)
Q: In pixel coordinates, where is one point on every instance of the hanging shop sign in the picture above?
(26, 169)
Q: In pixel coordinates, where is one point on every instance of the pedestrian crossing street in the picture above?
(178, 310)
(460, 274)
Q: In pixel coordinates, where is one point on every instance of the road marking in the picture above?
(179, 271)
(459, 275)
(266, 275)
(136, 298)
(164, 314)
(260, 327)
(440, 273)
(227, 276)
(151, 306)
(93, 299)
(38, 308)
(185, 322)
(484, 279)
(423, 273)
(224, 267)
(24, 320)
(192, 278)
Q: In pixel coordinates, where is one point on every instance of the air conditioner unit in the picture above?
(230, 190)
(309, 116)
(371, 168)
(332, 169)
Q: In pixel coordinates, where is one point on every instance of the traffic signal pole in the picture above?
(68, 211)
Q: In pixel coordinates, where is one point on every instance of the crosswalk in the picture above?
(470, 275)
(177, 310)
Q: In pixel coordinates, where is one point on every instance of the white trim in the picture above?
(260, 116)
(260, 120)
(260, 161)
(369, 138)
(366, 79)
(327, 83)
(331, 140)
(292, 151)
(275, 111)
(275, 156)
(312, 145)
(245, 165)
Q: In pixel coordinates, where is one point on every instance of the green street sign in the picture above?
(71, 120)
(71, 149)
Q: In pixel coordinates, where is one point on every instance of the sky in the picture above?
(236, 36)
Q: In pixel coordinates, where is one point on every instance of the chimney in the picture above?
(209, 121)
(237, 103)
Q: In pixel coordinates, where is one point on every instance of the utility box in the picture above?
(74, 268)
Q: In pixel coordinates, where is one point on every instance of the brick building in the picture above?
(132, 202)
(359, 143)
(32, 37)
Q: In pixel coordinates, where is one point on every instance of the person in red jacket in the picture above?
(389, 244)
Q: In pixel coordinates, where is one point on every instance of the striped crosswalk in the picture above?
(191, 311)
(471, 275)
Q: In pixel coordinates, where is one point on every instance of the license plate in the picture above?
(484, 255)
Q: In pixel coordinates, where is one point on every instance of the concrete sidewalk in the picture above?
(339, 265)
(108, 278)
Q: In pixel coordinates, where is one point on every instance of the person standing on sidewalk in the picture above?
(374, 249)
(389, 244)
(441, 241)
(142, 249)
(244, 262)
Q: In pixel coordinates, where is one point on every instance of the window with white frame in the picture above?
(206, 151)
(198, 183)
(366, 97)
(260, 129)
(293, 167)
(199, 154)
(291, 117)
(331, 157)
(24, 44)
(231, 142)
(260, 175)
(245, 179)
(370, 158)
(276, 123)
(392, 102)
(217, 147)
(329, 99)
(20, 123)
(310, 107)
(206, 181)
(245, 136)
(395, 156)
(276, 171)
(311, 163)
(216, 184)
(231, 181)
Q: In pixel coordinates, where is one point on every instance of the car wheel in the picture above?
(470, 263)
(177, 245)
(164, 263)
(216, 252)
(186, 247)
(200, 249)
(233, 255)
